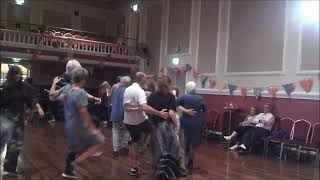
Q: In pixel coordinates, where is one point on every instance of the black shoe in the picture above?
(11, 173)
(115, 153)
(70, 175)
(242, 151)
(124, 151)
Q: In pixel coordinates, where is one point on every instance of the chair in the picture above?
(68, 35)
(300, 133)
(210, 119)
(78, 37)
(58, 34)
(314, 144)
(286, 125)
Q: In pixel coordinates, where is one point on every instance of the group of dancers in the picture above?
(137, 115)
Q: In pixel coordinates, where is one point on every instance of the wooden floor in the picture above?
(44, 152)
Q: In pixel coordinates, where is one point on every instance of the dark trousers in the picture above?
(70, 158)
(253, 134)
(241, 130)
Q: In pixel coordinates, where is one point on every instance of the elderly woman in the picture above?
(83, 136)
(191, 105)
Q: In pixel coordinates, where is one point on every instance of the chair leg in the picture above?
(281, 150)
(299, 152)
(317, 157)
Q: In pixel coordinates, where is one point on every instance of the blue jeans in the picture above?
(120, 136)
(6, 130)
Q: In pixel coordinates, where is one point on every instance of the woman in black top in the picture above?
(15, 95)
(166, 149)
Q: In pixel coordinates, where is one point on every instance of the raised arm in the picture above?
(53, 93)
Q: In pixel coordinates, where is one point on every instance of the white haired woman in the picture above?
(191, 105)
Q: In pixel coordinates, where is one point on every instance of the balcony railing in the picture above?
(61, 42)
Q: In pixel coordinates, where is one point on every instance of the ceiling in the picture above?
(106, 4)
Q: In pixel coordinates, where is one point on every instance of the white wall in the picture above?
(291, 49)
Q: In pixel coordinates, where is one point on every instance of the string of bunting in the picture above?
(208, 82)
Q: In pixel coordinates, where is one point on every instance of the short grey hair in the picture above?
(79, 74)
(125, 80)
(71, 65)
(191, 87)
(140, 76)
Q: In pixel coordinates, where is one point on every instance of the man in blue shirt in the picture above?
(120, 135)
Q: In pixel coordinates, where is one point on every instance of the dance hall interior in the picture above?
(159, 90)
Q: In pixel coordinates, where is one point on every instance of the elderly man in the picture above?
(263, 125)
(120, 135)
(135, 103)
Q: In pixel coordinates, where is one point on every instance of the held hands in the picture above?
(95, 131)
(191, 112)
(97, 100)
(164, 114)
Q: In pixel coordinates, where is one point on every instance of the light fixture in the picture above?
(16, 60)
(134, 7)
(309, 11)
(175, 61)
(19, 2)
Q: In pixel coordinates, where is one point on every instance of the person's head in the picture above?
(125, 81)
(71, 65)
(151, 87)
(14, 74)
(191, 87)
(103, 87)
(253, 111)
(118, 78)
(79, 76)
(164, 85)
(267, 108)
(141, 78)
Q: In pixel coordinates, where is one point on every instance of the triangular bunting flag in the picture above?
(212, 83)
(232, 88)
(155, 77)
(306, 84)
(273, 90)
(289, 88)
(188, 67)
(162, 71)
(203, 82)
(221, 85)
(181, 69)
(244, 91)
(195, 73)
(257, 92)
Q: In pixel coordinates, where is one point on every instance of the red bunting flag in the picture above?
(306, 84)
(273, 90)
(162, 71)
(212, 83)
(181, 69)
(244, 91)
(195, 73)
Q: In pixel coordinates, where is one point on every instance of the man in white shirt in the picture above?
(264, 122)
(135, 106)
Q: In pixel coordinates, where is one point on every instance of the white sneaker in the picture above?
(243, 146)
(234, 147)
(227, 138)
(97, 154)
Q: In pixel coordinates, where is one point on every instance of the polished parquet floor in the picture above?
(44, 152)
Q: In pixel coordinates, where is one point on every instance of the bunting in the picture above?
(212, 83)
(195, 73)
(273, 90)
(232, 88)
(203, 82)
(162, 71)
(244, 91)
(257, 92)
(188, 67)
(306, 84)
(289, 88)
(221, 85)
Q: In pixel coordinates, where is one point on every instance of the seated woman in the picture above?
(243, 127)
(263, 125)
